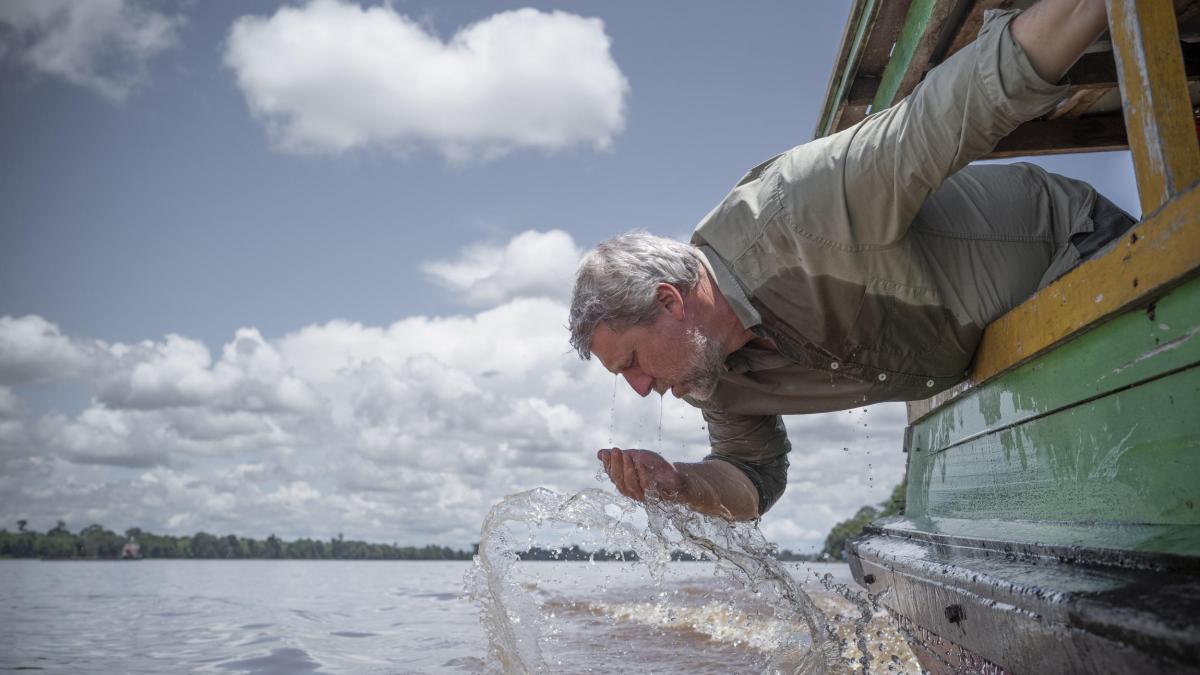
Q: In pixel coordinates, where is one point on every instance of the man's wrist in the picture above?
(717, 488)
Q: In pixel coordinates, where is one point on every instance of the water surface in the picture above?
(290, 616)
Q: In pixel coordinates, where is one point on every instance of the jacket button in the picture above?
(928, 383)
(882, 377)
(835, 365)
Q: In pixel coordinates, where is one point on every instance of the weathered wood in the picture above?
(1088, 134)
(858, 26)
(862, 92)
(888, 21)
(1158, 254)
(982, 603)
(1132, 349)
(1078, 103)
(1131, 456)
(1099, 70)
(873, 41)
(1158, 112)
(922, 31)
(969, 28)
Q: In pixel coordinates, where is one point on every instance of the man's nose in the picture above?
(642, 383)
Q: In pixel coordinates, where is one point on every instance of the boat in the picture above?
(1052, 517)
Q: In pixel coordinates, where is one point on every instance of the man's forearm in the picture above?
(718, 488)
(1055, 33)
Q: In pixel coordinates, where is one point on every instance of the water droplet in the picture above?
(612, 412)
(661, 398)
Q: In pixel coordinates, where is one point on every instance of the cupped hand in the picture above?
(636, 472)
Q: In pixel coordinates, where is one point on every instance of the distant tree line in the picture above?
(95, 542)
(835, 543)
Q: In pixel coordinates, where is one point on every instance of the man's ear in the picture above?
(669, 298)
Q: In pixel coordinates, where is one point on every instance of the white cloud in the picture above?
(249, 376)
(10, 405)
(331, 76)
(532, 264)
(103, 45)
(407, 432)
(35, 350)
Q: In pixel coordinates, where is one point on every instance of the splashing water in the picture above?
(511, 617)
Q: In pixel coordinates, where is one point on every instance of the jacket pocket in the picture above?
(899, 323)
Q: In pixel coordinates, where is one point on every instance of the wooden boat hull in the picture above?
(1052, 520)
(988, 605)
(1053, 513)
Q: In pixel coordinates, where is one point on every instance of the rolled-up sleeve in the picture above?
(756, 444)
(863, 186)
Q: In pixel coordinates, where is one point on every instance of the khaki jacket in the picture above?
(874, 263)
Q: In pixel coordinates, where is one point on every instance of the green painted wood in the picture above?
(1132, 456)
(1123, 352)
(915, 24)
(1183, 540)
(866, 17)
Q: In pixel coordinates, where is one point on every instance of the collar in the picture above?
(730, 287)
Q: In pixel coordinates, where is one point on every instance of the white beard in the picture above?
(705, 366)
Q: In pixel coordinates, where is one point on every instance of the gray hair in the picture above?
(616, 282)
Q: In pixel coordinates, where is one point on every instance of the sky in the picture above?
(303, 268)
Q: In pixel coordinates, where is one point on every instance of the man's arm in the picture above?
(1055, 33)
(744, 476)
(861, 187)
(713, 487)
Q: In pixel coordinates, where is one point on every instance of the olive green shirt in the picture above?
(873, 259)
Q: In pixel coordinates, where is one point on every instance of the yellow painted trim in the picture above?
(1158, 112)
(1160, 253)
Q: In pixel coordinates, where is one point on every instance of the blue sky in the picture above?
(213, 304)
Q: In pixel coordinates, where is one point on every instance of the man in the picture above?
(858, 268)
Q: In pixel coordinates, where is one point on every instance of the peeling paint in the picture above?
(1164, 347)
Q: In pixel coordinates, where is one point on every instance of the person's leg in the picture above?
(992, 235)
(987, 236)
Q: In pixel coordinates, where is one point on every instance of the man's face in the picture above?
(661, 356)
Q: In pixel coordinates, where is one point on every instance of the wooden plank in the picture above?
(1157, 255)
(862, 92)
(918, 38)
(977, 604)
(1158, 112)
(1088, 134)
(858, 26)
(1094, 71)
(969, 29)
(876, 48)
(1099, 70)
(1132, 456)
(1124, 540)
(1132, 349)
(1078, 103)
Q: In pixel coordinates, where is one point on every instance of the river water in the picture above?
(267, 616)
